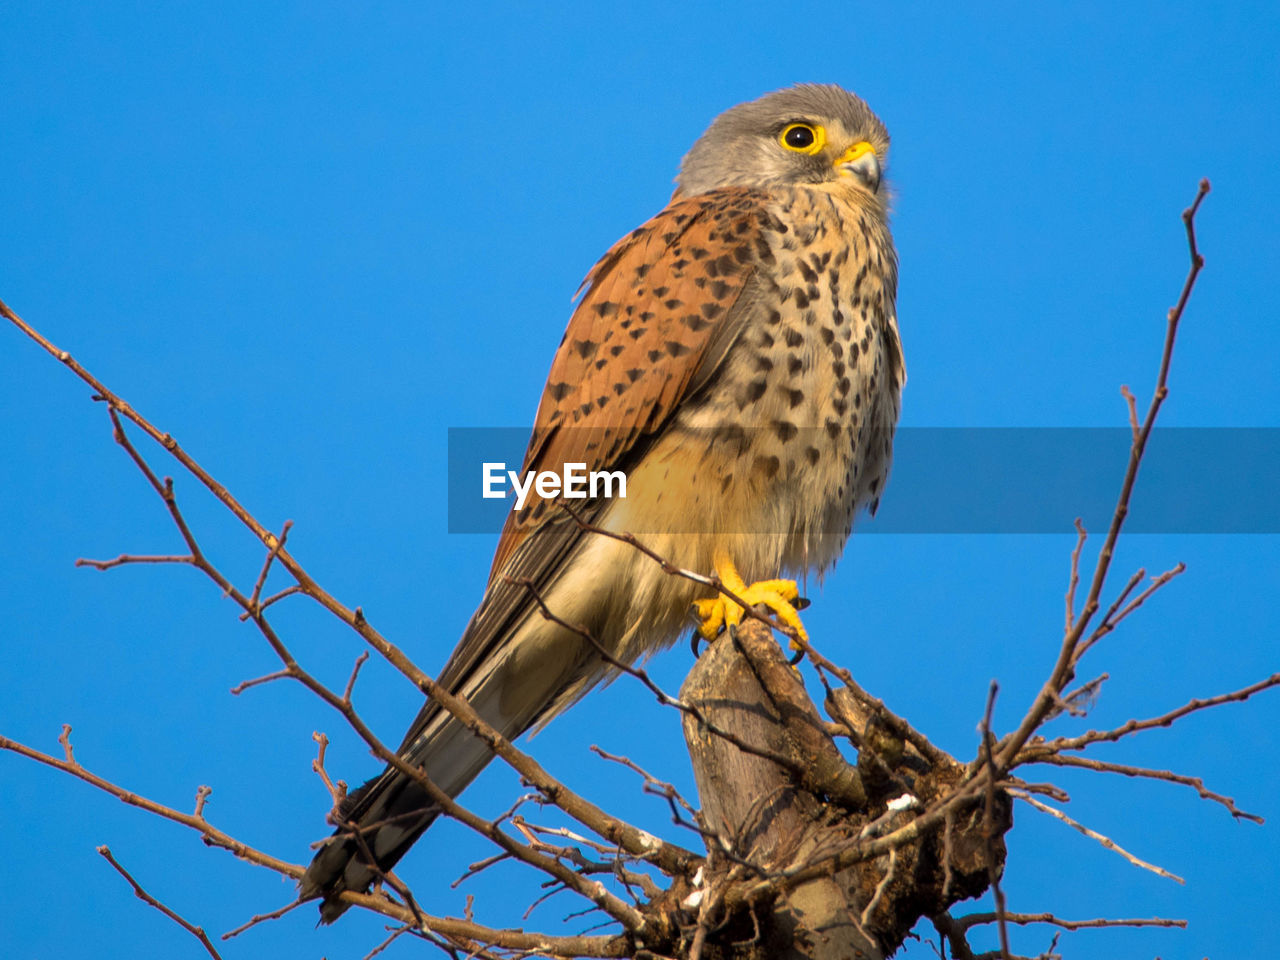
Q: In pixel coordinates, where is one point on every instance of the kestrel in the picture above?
(738, 358)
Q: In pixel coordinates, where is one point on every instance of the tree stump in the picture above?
(783, 797)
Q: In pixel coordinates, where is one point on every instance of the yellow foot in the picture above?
(720, 612)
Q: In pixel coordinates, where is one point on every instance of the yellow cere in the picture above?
(807, 138)
(859, 149)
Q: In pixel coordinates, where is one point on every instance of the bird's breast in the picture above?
(792, 435)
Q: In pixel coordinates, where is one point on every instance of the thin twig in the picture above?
(258, 918)
(1141, 598)
(1131, 402)
(244, 685)
(989, 833)
(128, 558)
(1074, 579)
(272, 553)
(1036, 751)
(1115, 614)
(1102, 766)
(1061, 674)
(395, 935)
(355, 672)
(974, 919)
(880, 889)
(663, 788)
(1094, 835)
(274, 598)
(479, 866)
(1079, 701)
(337, 791)
(191, 928)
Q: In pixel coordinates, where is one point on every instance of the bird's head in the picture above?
(809, 133)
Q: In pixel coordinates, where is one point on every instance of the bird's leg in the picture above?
(719, 611)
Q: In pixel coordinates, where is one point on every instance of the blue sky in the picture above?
(308, 239)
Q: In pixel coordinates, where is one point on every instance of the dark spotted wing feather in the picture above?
(658, 306)
(659, 311)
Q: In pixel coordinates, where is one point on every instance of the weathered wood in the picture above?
(755, 805)
(789, 798)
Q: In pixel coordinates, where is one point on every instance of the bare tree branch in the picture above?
(988, 809)
(1024, 919)
(635, 841)
(1094, 835)
(516, 940)
(1102, 766)
(1037, 751)
(191, 928)
(696, 916)
(1062, 671)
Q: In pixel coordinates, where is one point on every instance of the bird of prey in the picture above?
(737, 357)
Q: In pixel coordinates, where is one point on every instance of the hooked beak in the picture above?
(861, 161)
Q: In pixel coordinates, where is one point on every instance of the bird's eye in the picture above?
(803, 137)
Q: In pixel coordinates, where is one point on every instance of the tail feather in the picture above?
(380, 821)
(515, 668)
(362, 850)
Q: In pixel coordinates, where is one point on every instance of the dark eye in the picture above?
(799, 137)
(802, 137)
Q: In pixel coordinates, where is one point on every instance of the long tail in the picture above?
(514, 667)
(379, 822)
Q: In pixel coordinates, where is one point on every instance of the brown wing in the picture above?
(656, 308)
(660, 311)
